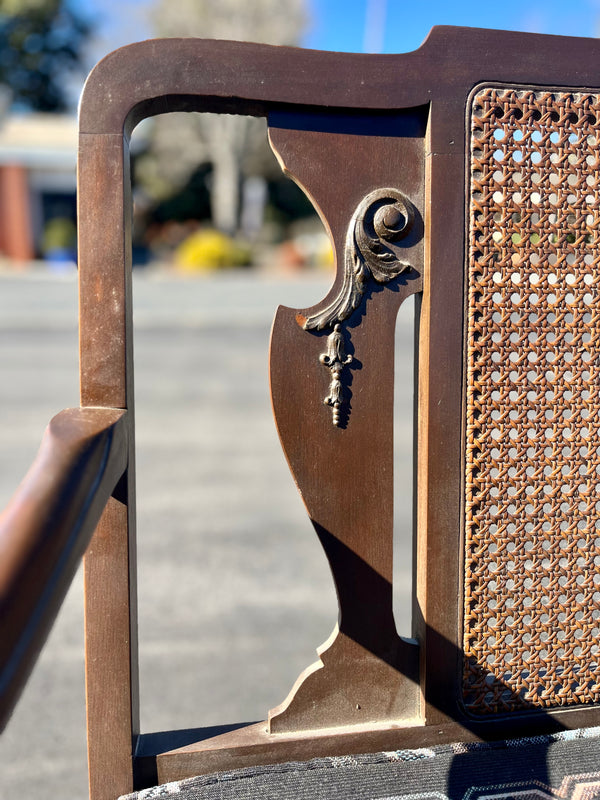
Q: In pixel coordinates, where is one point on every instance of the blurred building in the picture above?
(38, 155)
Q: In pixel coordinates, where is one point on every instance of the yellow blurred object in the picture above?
(15, 7)
(324, 255)
(208, 250)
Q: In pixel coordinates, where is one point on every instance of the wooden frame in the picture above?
(46, 528)
(343, 126)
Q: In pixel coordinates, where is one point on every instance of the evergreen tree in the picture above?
(40, 44)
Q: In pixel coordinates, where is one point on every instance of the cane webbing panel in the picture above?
(532, 583)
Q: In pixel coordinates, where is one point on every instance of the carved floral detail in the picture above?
(335, 359)
(384, 216)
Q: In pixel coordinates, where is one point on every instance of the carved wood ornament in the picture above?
(384, 216)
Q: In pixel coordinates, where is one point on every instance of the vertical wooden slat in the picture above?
(105, 270)
(440, 404)
(345, 472)
(111, 704)
(106, 354)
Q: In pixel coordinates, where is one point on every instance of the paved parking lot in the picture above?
(234, 590)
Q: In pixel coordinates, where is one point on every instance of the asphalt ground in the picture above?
(234, 590)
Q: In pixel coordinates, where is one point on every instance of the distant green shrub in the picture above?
(59, 234)
(208, 249)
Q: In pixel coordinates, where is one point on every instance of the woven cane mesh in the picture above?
(532, 578)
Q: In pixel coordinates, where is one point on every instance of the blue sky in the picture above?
(397, 26)
(340, 25)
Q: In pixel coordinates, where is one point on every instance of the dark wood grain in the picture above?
(46, 528)
(344, 474)
(440, 397)
(237, 77)
(110, 655)
(106, 376)
(253, 745)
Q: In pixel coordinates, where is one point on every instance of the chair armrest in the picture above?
(45, 530)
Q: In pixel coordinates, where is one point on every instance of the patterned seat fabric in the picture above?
(563, 766)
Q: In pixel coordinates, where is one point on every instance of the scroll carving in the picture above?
(383, 217)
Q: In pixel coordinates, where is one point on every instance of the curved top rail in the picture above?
(163, 75)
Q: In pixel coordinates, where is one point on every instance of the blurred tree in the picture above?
(40, 42)
(232, 145)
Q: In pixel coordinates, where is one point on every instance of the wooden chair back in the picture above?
(467, 173)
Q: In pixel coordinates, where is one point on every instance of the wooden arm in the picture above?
(46, 528)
